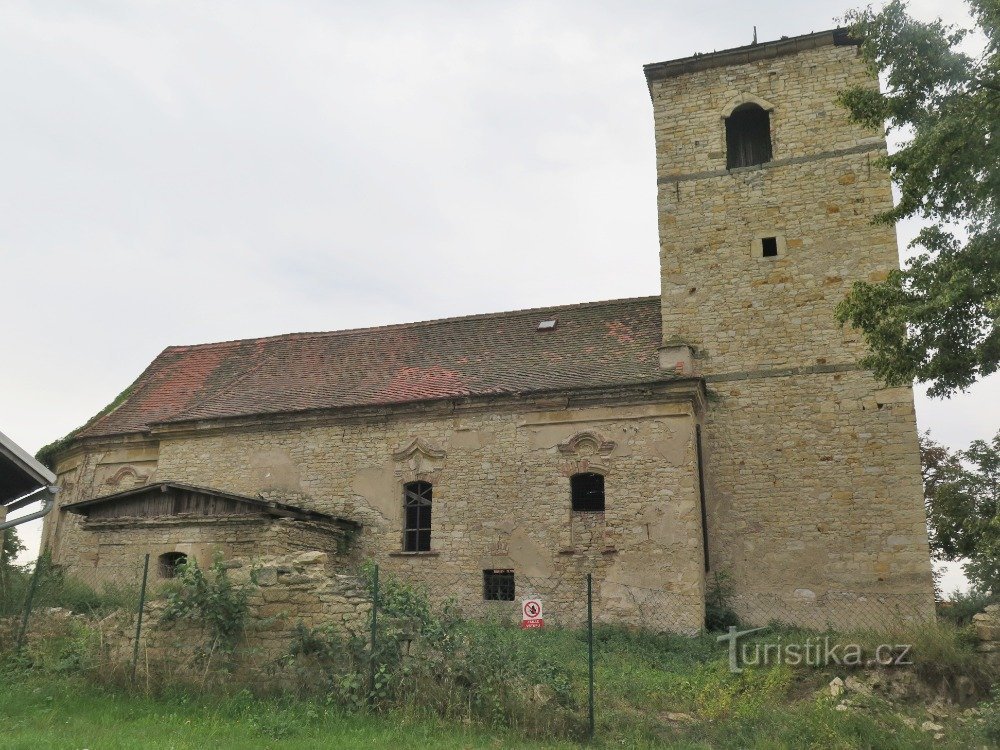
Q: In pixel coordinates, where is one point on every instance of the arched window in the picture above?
(587, 492)
(169, 562)
(417, 516)
(748, 136)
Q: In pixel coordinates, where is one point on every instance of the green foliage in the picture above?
(962, 495)
(54, 588)
(937, 320)
(719, 615)
(10, 574)
(45, 712)
(428, 659)
(961, 608)
(209, 600)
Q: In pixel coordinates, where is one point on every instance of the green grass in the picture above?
(41, 712)
(58, 696)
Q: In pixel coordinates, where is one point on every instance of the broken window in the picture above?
(169, 562)
(417, 517)
(587, 492)
(498, 585)
(748, 136)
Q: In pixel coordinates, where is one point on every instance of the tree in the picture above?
(10, 548)
(937, 320)
(962, 495)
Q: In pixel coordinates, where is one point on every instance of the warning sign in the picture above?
(531, 613)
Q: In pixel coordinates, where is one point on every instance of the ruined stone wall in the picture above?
(501, 500)
(105, 552)
(288, 590)
(813, 469)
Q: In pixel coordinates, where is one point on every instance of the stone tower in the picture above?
(765, 194)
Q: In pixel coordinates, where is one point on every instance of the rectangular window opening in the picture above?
(770, 246)
(498, 585)
(587, 492)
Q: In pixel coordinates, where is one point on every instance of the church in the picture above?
(722, 431)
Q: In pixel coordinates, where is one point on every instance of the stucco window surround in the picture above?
(418, 466)
(742, 100)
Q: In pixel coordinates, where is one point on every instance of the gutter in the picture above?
(48, 502)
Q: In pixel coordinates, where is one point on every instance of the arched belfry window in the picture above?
(417, 516)
(748, 136)
(587, 492)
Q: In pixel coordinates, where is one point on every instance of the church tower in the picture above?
(766, 193)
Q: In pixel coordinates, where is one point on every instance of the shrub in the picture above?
(427, 658)
(209, 600)
(719, 614)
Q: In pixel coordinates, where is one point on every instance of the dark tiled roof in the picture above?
(598, 344)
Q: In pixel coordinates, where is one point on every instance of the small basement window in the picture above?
(587, 492)
(169, 562)
(748, 136)
(498, 585)
(769, 247)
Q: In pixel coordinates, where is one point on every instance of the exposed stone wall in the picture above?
(813, 468)
(987, 624)
(501, 500)
(742, 311)
(289, 590)
(112, 551)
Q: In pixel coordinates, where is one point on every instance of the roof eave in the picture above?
(748, 53)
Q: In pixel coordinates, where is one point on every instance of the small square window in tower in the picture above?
(769, 247)
(587, 492)
(748, 136)
(417, 516)
(498, 585)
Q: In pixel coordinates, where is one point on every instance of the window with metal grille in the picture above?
(498, 585)
(168, 563)
(748, 136)
(417, 517)
(587, 492)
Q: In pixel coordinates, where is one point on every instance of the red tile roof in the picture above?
(597, 344)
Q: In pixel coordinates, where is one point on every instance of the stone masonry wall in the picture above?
(815, 504)
(104, 552)
(290, 590)
(501, 500)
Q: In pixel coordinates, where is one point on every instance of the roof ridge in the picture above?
(413, 324)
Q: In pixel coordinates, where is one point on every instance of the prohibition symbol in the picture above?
(531, 613)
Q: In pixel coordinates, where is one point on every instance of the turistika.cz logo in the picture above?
(816, 651)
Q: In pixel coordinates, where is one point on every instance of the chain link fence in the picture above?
(467, 637)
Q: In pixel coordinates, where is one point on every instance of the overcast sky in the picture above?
(184, 172)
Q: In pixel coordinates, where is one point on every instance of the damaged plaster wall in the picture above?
(501, 500)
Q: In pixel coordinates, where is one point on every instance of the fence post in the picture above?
(138, 622)
(590, 649)
(374, 636)
(28, 601)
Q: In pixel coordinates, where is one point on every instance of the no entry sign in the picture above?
(531, 613)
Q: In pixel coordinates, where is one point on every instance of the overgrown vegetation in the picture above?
(719, 614)
(936, 320)
(962, 499)
(429, 660)
(210, 601)
(439, 674)
(54, 588)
